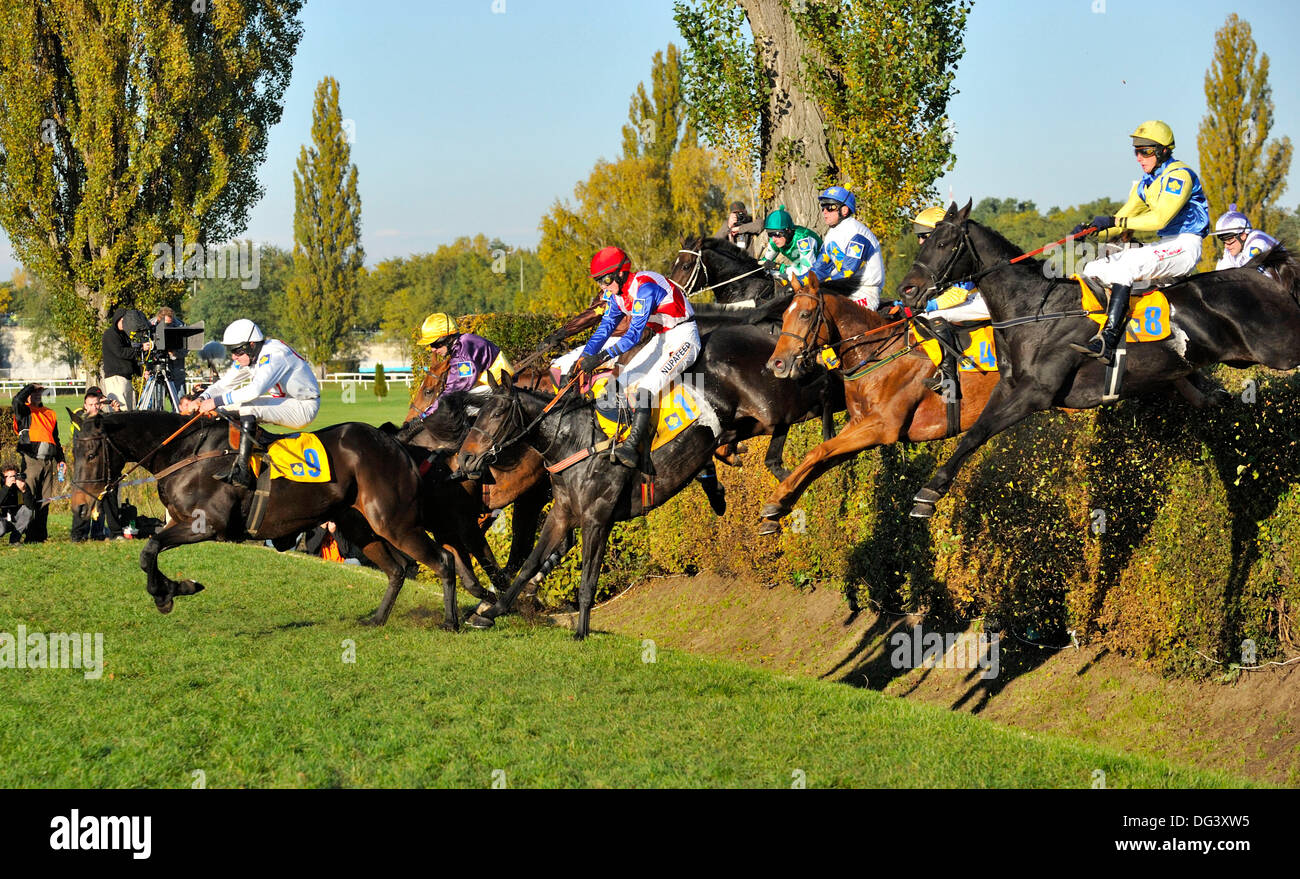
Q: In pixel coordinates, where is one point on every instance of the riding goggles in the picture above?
(1146, 151)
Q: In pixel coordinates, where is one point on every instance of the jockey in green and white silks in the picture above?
(799, 247)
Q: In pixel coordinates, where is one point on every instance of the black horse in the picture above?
(373, 495)
(714, 263)
(1238, 317)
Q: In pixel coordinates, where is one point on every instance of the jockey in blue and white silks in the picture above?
(1241, 241)
(850, 250)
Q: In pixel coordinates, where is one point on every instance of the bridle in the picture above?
(939, 279)
(700, 267)
(808, 341)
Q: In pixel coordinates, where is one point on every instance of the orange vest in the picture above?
(41, 429)
(329, 551)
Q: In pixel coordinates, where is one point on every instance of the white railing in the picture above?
(11, 386)
(365, 379)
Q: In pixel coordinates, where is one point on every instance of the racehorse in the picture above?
(595, 492)
(1238, 317)
(888, 401)
(373, 495)
(730, 272)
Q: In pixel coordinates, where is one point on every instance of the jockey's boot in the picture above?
(628, 452)
(947, 335)
(713, 489)
(1102, 346)
(241, 474)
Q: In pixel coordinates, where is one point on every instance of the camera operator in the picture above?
(166, 317)
(17, 504)
(37, 427)
(128, 336)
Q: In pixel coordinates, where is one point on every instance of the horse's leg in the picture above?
(523, 523)
(595, 537)
(550, 548)
(1010, 403)
(179, 533)
(775, 451)
(858, 435)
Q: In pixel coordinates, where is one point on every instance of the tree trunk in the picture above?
(795, 151)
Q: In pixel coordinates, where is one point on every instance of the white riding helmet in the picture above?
(1232, 221)
(241, 332)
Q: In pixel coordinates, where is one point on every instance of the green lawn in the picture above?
(246, 683)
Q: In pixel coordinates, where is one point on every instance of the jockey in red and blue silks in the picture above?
(653, 303)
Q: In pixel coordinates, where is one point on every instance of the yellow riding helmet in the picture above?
(1153, 133)
(928, 219)
(435, 327)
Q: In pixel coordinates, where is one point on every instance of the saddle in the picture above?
(262, 439)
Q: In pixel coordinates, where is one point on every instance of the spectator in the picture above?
(17, 504)
(37, 427)
(740, 229)
(326, 542)
(127, 334)
(84, 527)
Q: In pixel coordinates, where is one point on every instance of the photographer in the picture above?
(127, 336)
(37, 427)
(17, 505)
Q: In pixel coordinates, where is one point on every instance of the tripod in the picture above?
(158, 388)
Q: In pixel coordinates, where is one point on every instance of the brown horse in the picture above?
(887, 403)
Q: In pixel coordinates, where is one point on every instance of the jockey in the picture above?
(269, 381)
(799, 246)
(1168, 200)
(473, 358)
(960, 303)
(1241, 242)
(653, 304)
(850, 250)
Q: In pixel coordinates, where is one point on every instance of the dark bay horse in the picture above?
(1238, 317)
(373, 495)
(729, 271)
(888, 403)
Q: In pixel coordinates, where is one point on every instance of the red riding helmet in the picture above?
(610, 259)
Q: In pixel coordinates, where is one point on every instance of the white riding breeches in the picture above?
(285, 411)
(661, 360)
(1167, 258)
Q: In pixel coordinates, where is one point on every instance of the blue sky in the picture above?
(472, 120)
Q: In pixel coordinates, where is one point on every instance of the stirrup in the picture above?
(1096, 348)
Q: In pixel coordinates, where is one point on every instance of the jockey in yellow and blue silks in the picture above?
(850, 250)
(960, 303)
(656, 305)
(1168, 200)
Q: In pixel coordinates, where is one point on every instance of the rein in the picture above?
(695, 273)
(808, 341)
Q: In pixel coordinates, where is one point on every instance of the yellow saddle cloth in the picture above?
(976, 343)
(299, 459)
(678, 410)
(1148, 318)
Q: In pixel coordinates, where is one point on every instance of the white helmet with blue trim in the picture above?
(1233, 222)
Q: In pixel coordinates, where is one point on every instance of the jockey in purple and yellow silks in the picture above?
(472, 358)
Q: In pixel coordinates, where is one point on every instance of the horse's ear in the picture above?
(965, 212)
(492, 381)
(75, 418)
(951, 212)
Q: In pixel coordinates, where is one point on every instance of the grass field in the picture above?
(247, 683)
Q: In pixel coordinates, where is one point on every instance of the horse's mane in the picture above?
(1284, 263)
(839, 286)
(452, 408)
(1004, 246)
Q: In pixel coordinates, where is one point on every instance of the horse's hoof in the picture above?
(164, 606)
(372, 620)
(928, 496)
(922, 511)
(188, 587)
(780, 474)
(768, 527)
(772, 511)
(450, 627)
(483, 606)
(580, 636)
(478, 621)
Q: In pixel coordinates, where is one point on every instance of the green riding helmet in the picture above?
(779, 221)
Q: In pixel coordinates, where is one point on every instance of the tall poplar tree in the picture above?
(1238, 163)
(327, 252)
(126, 125)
